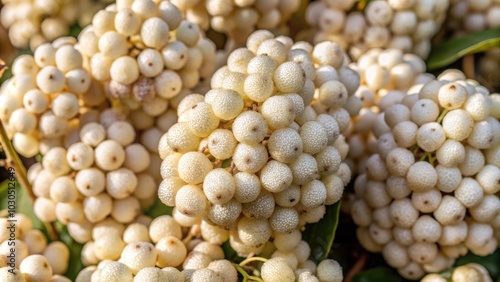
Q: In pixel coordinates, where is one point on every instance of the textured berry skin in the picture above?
(436, 190)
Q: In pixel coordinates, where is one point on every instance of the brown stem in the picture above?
(468, 66)
(3, 67)
(193, 232)
(360, 264)
(21, 175)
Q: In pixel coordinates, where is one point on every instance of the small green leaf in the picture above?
(23, 204)
(75, 30)
(226, 163)
(158, 209)
(378, 274)
(455, 48)
(320, 235)
(230, 254)
(75, 249)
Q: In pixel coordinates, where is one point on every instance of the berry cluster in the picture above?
(154, 250)
(32, 23)
(468, 272)
(239, 18)
(282, 163)
(386, 78)
(35, 258)
(466, 16)
(42, 101)
(428, 193)
(471, 16)
(145, 54)
(401, 24)
(101, 173)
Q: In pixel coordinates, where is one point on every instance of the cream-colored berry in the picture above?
(227, 104)
(193, 167)
(458, 124)
(219, 186)
(201, 119)
(276, 269)
(171, 252)
(247, 187)
(430, 136)
(250, 158)
(155, 32)
(226, 214)
(403, 213)
(275, 176)
(250, 128)
(452, 95)
(450, 211)
(314, 137)
(405, 134)
(139, 255)
(473, 162)
(50, 80)
(109, 155)
(124, 70)
(188, 33)
(478, 106)
(399, 161)
(191, 201)
(422, 176)
(221, 143)
(36, 268)
(55, 161)
(427, 201)
(258, 87)
(469, 192)
(63, 189)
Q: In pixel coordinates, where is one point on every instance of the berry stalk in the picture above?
(21, 176)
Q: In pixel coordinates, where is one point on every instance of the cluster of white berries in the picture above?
(33, 259)
(283, 156)
(428, 194)
(32, 23)
(386, 78)
(239, 18)
(101, 173)
(45, 96)
(154, 250)
(401, 24)
(467, 16)
(146, 54)
(145, 249)
(464, 273)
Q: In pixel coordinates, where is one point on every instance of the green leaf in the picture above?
(320, 235)
(23, 204)
(75, 249)
(455, 48)
(226, 163)
(158, 209)
(25, 207)
(378, 274)
(75, 30)
(230, 254)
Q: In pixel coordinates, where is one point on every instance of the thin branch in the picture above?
(360, 264)
(468, 66)
(249, 260)
(21, 175)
